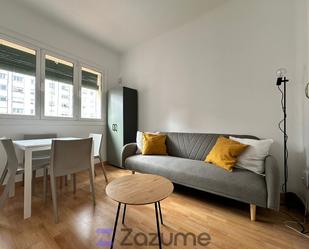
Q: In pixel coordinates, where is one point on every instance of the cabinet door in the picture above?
(129, 115)
(115, 126)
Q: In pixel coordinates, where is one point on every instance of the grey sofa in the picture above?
(185, 165)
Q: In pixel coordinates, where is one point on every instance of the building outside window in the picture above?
(91, 94)
(58, 88)
(3, 87)
(3, 76)
(17, 79)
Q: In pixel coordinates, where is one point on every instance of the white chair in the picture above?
(13, 168)
(69, 157)
(97, 143)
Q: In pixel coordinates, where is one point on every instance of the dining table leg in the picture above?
(28, 182)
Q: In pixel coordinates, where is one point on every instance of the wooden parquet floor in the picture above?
(227, 222)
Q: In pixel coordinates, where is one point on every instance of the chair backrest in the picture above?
(97, 143)
(44, 153)
(9, 148)
(12, 165)
(70, 156)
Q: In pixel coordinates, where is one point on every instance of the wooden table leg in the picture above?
(158, 224)
(115, 225)
(28, 182)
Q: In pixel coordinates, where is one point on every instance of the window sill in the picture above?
(25, 121)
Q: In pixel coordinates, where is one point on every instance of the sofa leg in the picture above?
(253, 212)
(133, 172)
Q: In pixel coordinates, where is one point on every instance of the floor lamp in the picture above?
(282, 80)
(295, 225)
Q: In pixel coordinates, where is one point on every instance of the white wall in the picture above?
(306, 102)
(217, 74)
(19, 22)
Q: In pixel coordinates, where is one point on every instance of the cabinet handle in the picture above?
(114, 127)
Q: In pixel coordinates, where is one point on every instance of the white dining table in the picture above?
(29, 146)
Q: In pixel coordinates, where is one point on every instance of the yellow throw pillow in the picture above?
(154, 144)
(225, 152)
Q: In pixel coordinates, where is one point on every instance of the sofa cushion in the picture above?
(154, 144)
(240, 184)
(225, 152)
(254, 157)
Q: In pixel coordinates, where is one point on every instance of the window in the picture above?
(17, 79)
(91, 94)
(21, 67)
(58, 88)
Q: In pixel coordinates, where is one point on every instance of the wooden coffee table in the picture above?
(139, 189)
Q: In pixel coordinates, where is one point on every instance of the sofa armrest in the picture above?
(127, 151)
(272, 178)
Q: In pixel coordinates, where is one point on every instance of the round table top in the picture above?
(139, 189)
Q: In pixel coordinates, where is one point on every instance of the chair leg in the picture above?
(12, 190)
(253, 212)
(7, 189)
(45, 184)
(54, 197)
(92, 187)
(103, 169)
(3, 176)
(74, 183)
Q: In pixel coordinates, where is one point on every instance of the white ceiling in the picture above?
(122, 24)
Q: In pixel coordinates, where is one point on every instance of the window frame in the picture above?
(45, 52)
(37, 50)
(102, 85)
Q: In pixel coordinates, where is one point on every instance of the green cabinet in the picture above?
(121, 121)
